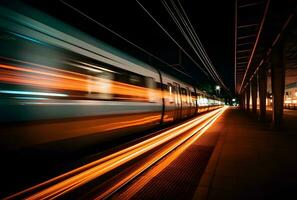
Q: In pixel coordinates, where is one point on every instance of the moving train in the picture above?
(59, 84)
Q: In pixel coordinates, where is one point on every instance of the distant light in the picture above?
(32, 93)
(218, 87)
(233, 99)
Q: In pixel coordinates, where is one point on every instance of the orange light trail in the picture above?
(45, 77)
(176, 149)
(69, 181)
(52, 78)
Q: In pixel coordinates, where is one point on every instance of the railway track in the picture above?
(112, 175)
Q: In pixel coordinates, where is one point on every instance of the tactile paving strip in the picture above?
(180, 178)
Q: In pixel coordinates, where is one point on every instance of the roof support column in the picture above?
(277, 82)
(248, 91)
(254, 94)
(262, 83)
(242, 101)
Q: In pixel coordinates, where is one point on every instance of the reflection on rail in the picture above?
(69, 181)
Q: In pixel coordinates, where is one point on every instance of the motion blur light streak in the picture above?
(124, 124)
(45, 132)
(40, 58)
(27, 38)
(31, 98)
(65, 80)
(101, 68)
(73, 179)
(62, 89)
(176, 148)
(32, 93)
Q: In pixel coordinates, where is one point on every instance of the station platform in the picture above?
(251, 159)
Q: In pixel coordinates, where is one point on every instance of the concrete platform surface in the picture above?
(251, 160)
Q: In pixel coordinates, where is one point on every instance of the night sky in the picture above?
(212, 20)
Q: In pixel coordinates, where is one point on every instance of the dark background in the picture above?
(212, 20)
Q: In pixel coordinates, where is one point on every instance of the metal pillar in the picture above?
(243, 100)
(254, 94)
(242, 103)
(248, 91)
(277, 83)
(262, 83)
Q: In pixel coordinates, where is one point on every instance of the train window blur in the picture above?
(101, 89)
(161, 86)
(40, 67)
(164, 86)
(170, 92)
(193, 98)
(151, 85)
(200, 100)
(188, 96)
(176, 91)
(184, 95)
(136, 80)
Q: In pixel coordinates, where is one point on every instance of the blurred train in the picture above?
(58, 84)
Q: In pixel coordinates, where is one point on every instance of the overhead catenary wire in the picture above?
(201, 57)
(211, 71)
(181, 29)
(120, 36)
(165, 31)
(185, 24)
(140, 48)
(185, 35)
(197, 39)
(199, 45)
